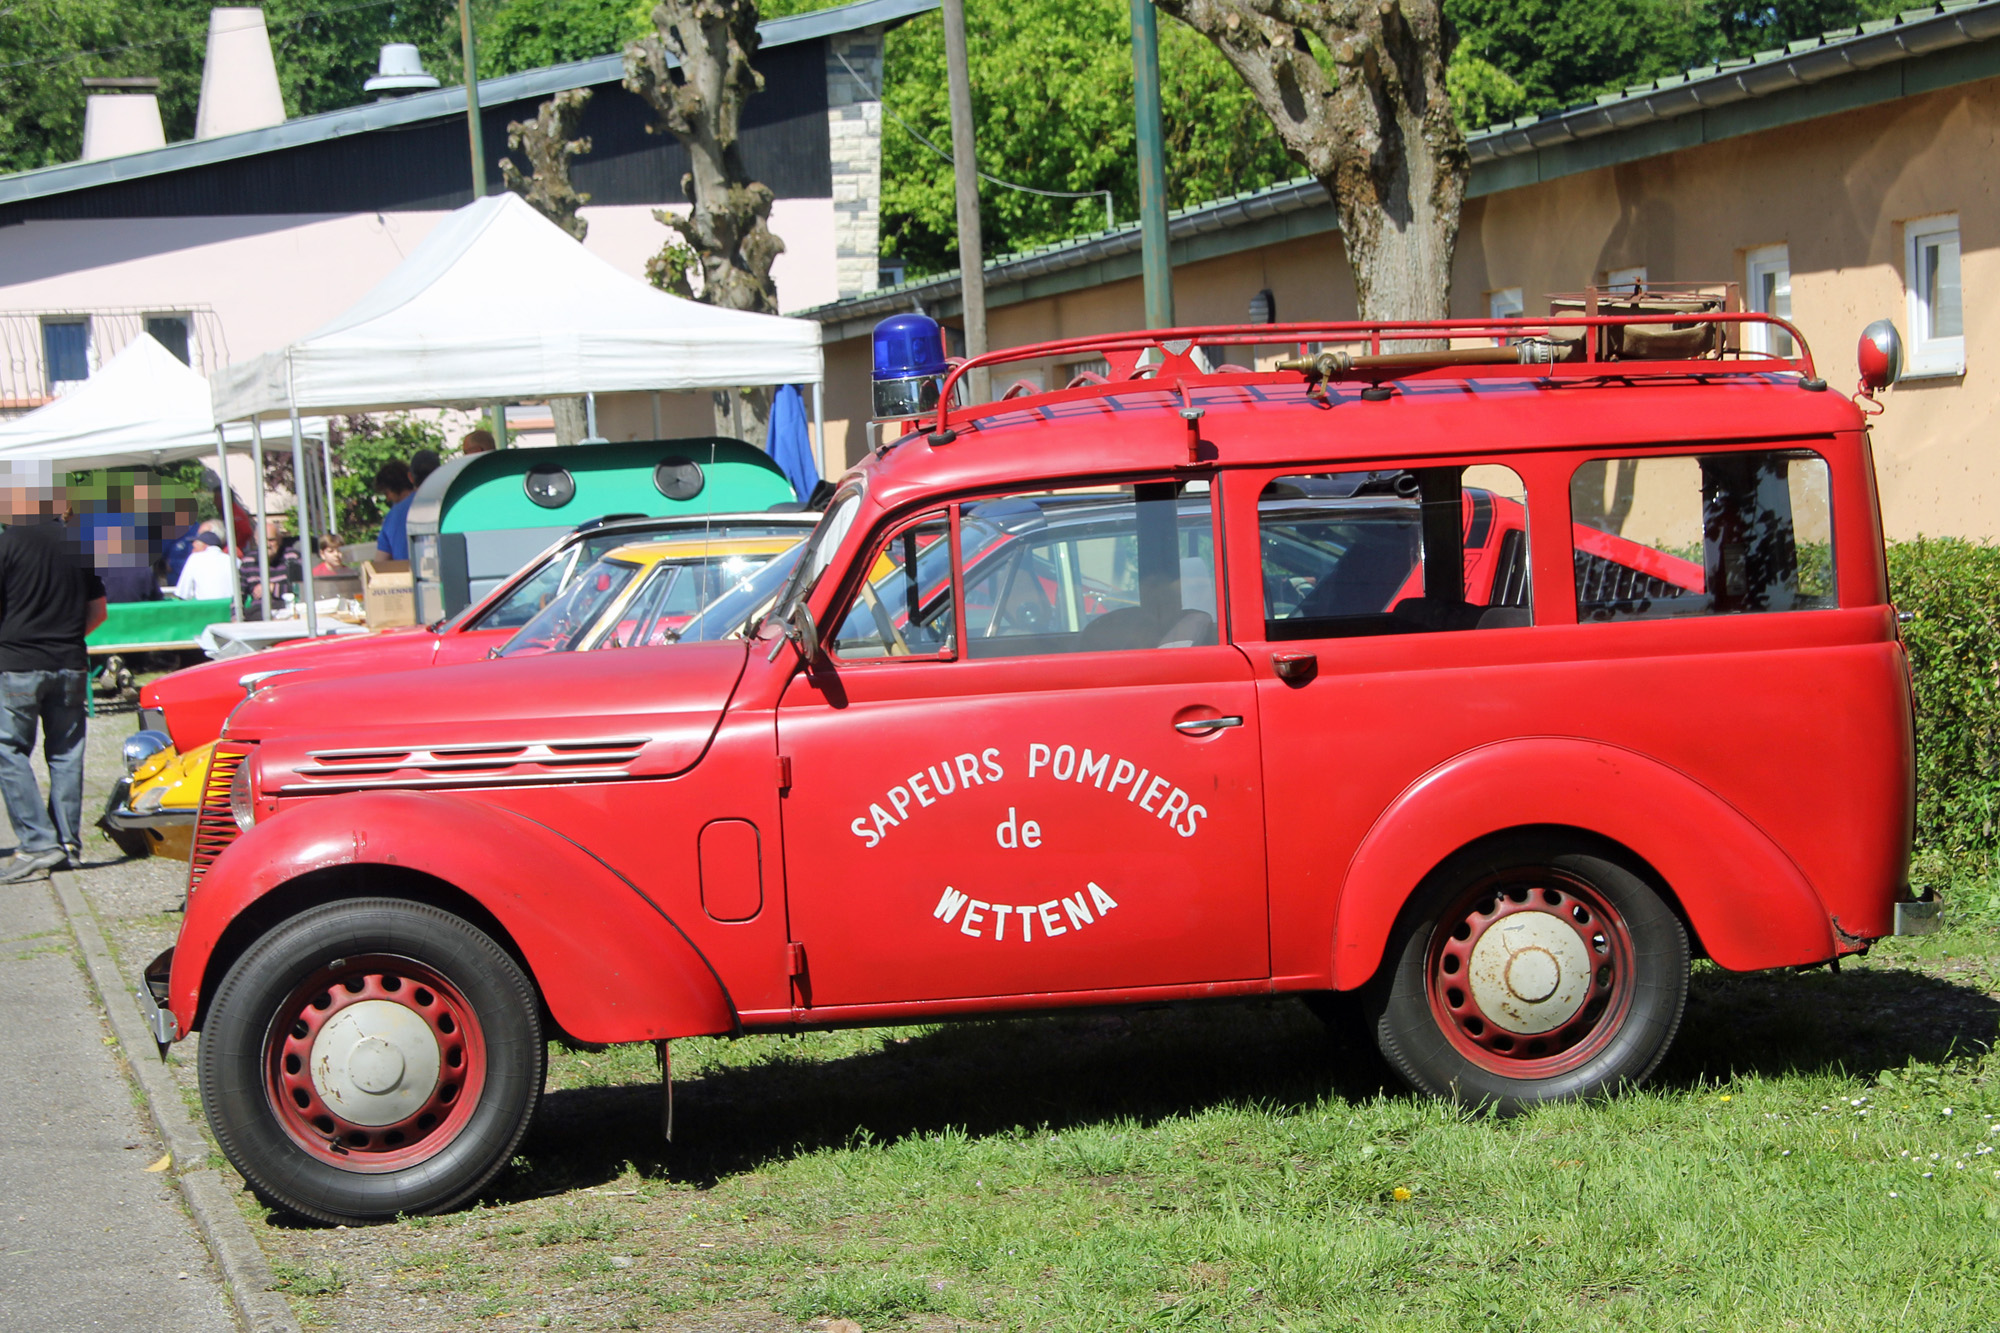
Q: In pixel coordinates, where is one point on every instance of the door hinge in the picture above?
(795, 959)
(784, 772)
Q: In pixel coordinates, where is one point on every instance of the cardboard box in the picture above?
(388, 594)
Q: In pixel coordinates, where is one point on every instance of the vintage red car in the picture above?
(1486, 694)
(190, 705)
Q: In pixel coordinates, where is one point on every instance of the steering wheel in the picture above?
(884, 622)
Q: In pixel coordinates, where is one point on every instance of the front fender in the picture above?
(1747, 901)
(611, 965)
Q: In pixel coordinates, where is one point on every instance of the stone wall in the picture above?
(854, 116)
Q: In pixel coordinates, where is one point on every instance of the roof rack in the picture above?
(1687, 330)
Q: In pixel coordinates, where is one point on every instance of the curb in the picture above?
(244, 1268)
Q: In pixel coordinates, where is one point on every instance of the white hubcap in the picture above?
(375, 1063)
(1530, 973)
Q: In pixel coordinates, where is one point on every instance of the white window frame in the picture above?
(1930, 356)
(1756, 264)
(1618, 279)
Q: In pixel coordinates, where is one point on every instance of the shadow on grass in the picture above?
(1080, 1069)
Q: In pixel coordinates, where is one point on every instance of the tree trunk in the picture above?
(550, 141)
(700, 102)
(1374, 126)
(571, 424)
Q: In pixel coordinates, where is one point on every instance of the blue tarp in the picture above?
(789, 443)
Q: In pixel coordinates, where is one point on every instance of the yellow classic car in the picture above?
(151, 811)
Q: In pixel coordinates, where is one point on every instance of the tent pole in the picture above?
(498, 411)
(819, 431)
(305, 520)
(263, 554)
(656, 414)
(326, 464)
(228, 525)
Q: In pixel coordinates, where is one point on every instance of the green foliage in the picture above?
(365, 444)
(1052, 98)
(324, 53)
(1952, 589)
(528, 34)
(1560, 52)
(1481, 92)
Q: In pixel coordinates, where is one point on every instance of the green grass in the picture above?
(1817, 1151)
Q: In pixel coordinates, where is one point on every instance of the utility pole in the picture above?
(965, 175)
(472, 100)
(1154, 259)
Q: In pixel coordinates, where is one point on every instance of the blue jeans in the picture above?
(54, 700)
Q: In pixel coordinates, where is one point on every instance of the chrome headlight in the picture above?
(143, 745)
(243, 796)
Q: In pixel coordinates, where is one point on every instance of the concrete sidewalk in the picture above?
(88, 1239)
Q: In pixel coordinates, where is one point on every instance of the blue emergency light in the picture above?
(909, 367)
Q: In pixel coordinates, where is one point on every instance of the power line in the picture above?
(1110, 216)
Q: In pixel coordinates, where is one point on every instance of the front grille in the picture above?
(1601, 582)
(215, 827)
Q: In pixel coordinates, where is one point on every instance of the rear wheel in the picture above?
(1536, 972)
(370, 1058)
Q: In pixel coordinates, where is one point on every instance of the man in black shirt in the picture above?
(49, 599)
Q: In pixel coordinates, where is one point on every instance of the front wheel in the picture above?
(1534, 972)
(370, 1058)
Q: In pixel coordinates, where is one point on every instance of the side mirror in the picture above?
(1880, 355)
(801, 630)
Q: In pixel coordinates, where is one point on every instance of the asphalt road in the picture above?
(88, 1239)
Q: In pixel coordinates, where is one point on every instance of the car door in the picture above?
(1026, 764)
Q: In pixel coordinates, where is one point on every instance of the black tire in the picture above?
(1479, 1042)
(451, 982)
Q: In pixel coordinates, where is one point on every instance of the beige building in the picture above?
(1841, 181)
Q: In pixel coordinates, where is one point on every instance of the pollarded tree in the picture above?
(550, 140)
(1356, 90)
(698, 97)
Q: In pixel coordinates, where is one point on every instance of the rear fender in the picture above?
(611, 965)
(1746, 900)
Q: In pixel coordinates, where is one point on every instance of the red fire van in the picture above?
(1487, 685)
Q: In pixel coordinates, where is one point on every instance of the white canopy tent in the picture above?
(498, 304)
(142, 408)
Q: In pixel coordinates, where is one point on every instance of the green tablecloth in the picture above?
(133, 624)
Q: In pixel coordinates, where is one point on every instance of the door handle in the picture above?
(1203, 726)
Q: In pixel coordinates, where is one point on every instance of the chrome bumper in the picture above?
(152, 998)
(125, 817)
(1918, 916)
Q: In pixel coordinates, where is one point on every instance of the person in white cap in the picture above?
(209, 571)
(50, 598)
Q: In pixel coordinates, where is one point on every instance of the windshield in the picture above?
(534, 593)
(672, 595)
(819, 551)
(731, 613)
(556, 627)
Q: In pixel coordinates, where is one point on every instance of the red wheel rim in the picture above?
(1530, 974)
(349, 1059)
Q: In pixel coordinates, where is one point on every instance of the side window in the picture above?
(1702, 535)
(627, 631)
(1109, 570)
(536, 592)
(903, 609)
(1397, 551)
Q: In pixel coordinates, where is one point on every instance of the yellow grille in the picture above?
(215, 828)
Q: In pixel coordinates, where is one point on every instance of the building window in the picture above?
(1504, 304)
(1768, 290)
(66, 350)
(170, 332)
(1937, 309)
(1626, 281)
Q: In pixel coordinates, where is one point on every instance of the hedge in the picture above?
(1951, 589)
